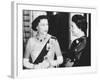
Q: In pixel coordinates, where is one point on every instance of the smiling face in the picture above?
(43, 26)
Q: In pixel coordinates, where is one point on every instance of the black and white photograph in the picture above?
(53, 39)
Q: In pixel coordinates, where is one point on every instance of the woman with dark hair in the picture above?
(81, 22)
(43, 48)
(78, 40)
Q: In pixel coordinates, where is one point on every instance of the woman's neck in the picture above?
(40, 36)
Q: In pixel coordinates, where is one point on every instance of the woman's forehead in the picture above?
(43, 20)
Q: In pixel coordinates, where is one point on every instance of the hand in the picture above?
(69, 63)
(36, 66)
(44, 64)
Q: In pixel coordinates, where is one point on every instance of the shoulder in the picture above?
(53, 40)
(31, 40)
(81, 39)
(53, 37)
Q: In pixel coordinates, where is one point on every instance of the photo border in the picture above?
(17, 48)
